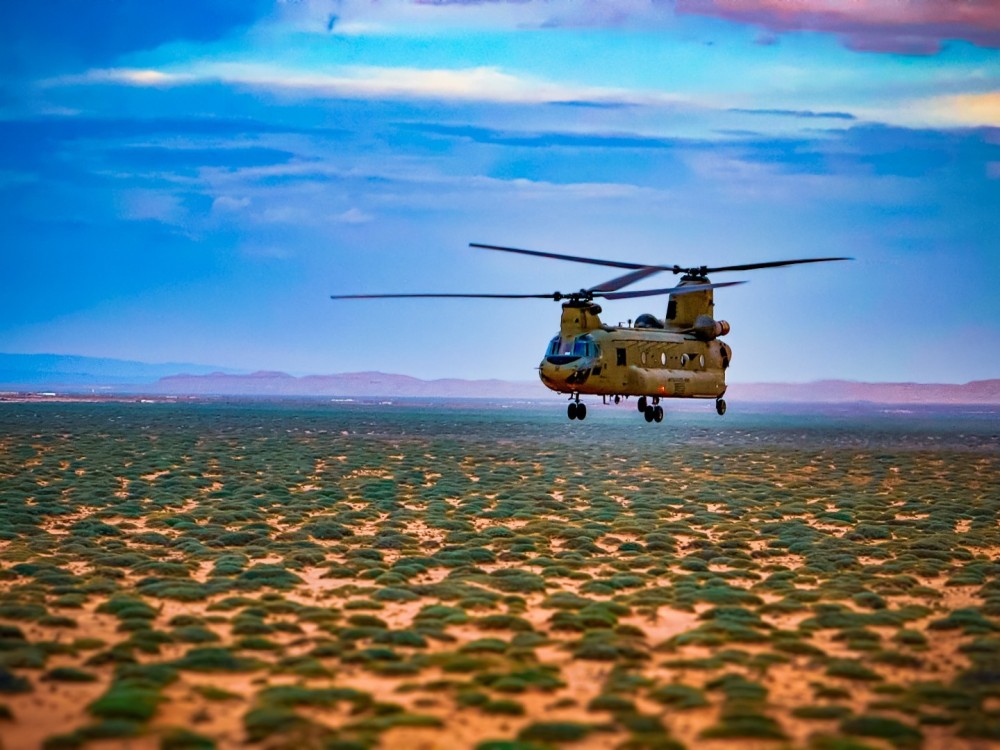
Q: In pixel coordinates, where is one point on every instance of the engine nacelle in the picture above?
(707, 328)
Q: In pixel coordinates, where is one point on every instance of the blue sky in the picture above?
(189, 181)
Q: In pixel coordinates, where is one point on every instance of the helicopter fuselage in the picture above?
(590, 357)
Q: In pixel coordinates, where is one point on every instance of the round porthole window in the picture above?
(701, 360)
(643, 357)
(663, 359)
(684, 360)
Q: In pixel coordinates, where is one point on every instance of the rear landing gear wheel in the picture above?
(642, 403)
(581, 411)
(571, 410)
(658, 413)
(650, 413)
(720, 406)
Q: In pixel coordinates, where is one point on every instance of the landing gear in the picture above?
(720, 406)
(576, 410)
(652, 412)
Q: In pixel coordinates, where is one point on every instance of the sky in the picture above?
(190, 180)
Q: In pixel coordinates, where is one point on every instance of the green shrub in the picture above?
(896, 732)
(554, 731)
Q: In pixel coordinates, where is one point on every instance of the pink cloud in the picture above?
(915, 27)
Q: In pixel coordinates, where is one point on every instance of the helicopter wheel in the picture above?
(658, 413)
(650, 413)
(720, 406)
(581, 411)
(642, 403)
(618, 399)
(571, 410)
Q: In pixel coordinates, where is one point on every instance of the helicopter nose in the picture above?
(565, 373)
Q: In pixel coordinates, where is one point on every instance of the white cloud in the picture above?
(229, 204)
(122, 76)
(953, 110)
(482, 84)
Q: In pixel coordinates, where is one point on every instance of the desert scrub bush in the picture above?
(554, 731)
(214, 659)
(541, 678)
(502, 707)
(289, 696)
(261, 723)
(896, 732)
(132, 699)
(215, 694)
(11, 683)
(274, 576)
(850, 669)
(407, 638)
(679, 696)
(821, 712)
(69, 674)
(969, 619)
(743, 721)
(611, 702)
(909, 637)
(504, 622)
(185, 739)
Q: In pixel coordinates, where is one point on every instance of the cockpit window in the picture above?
(579, 346)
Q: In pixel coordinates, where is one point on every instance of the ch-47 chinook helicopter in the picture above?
(680, 356)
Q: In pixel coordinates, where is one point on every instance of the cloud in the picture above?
(804, 113)
(972, 109)
(229, 204)
(915, 27)
(480, 84)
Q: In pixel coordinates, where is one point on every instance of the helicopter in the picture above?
(681, 355)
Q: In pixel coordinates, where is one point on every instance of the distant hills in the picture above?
(847, 391)
(350, 384)
(21, 371)
(73, 374)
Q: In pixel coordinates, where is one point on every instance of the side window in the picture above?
(620, 356)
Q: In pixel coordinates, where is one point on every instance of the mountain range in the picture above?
(75, 374)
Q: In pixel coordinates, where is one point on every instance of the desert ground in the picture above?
(383, 576)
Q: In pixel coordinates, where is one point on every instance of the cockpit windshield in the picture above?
(572, 346)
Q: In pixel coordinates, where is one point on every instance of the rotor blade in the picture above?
(623, 281)
(573, 258)
(550, 295)
(772, 264)
(686, 289)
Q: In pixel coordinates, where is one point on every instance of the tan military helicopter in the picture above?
(680, 356)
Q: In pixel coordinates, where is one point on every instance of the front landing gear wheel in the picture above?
(581, 411)
(650, 413)
(658, 413)
(572, 411)
(720, 406)
(642, 403)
